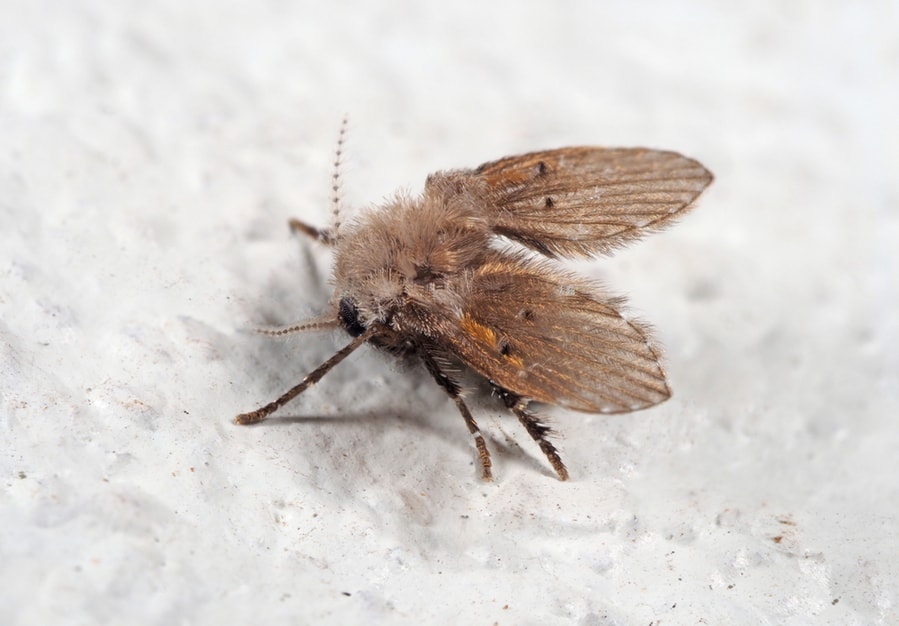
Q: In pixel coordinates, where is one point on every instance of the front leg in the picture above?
(324, 235)
(316, 375)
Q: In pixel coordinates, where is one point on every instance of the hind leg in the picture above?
(538, 431)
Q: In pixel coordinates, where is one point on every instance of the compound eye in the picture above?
(348, 315)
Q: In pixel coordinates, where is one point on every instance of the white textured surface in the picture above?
(150, 154)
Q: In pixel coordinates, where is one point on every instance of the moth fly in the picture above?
(464, 275)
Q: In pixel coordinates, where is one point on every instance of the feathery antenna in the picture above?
(335, 180)
(325, 323)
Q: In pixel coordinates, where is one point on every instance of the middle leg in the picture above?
(451, 387)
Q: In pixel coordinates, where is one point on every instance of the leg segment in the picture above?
(452, 389)
(261, 413)
(321, 235)
(538, 431)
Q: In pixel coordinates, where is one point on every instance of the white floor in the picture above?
(150, 156)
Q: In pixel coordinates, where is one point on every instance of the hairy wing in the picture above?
(548, 336)
(586, 200)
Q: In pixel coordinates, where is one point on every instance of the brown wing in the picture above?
(583, 201)
(548, 336)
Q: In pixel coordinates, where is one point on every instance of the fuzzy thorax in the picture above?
(408, 256)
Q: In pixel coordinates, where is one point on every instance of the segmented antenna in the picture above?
(335, 181)
(312, 325)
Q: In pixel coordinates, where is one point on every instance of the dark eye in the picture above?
(349, 317)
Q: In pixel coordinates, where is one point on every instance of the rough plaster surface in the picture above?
(150, 155)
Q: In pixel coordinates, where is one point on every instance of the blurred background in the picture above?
(151, 155)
